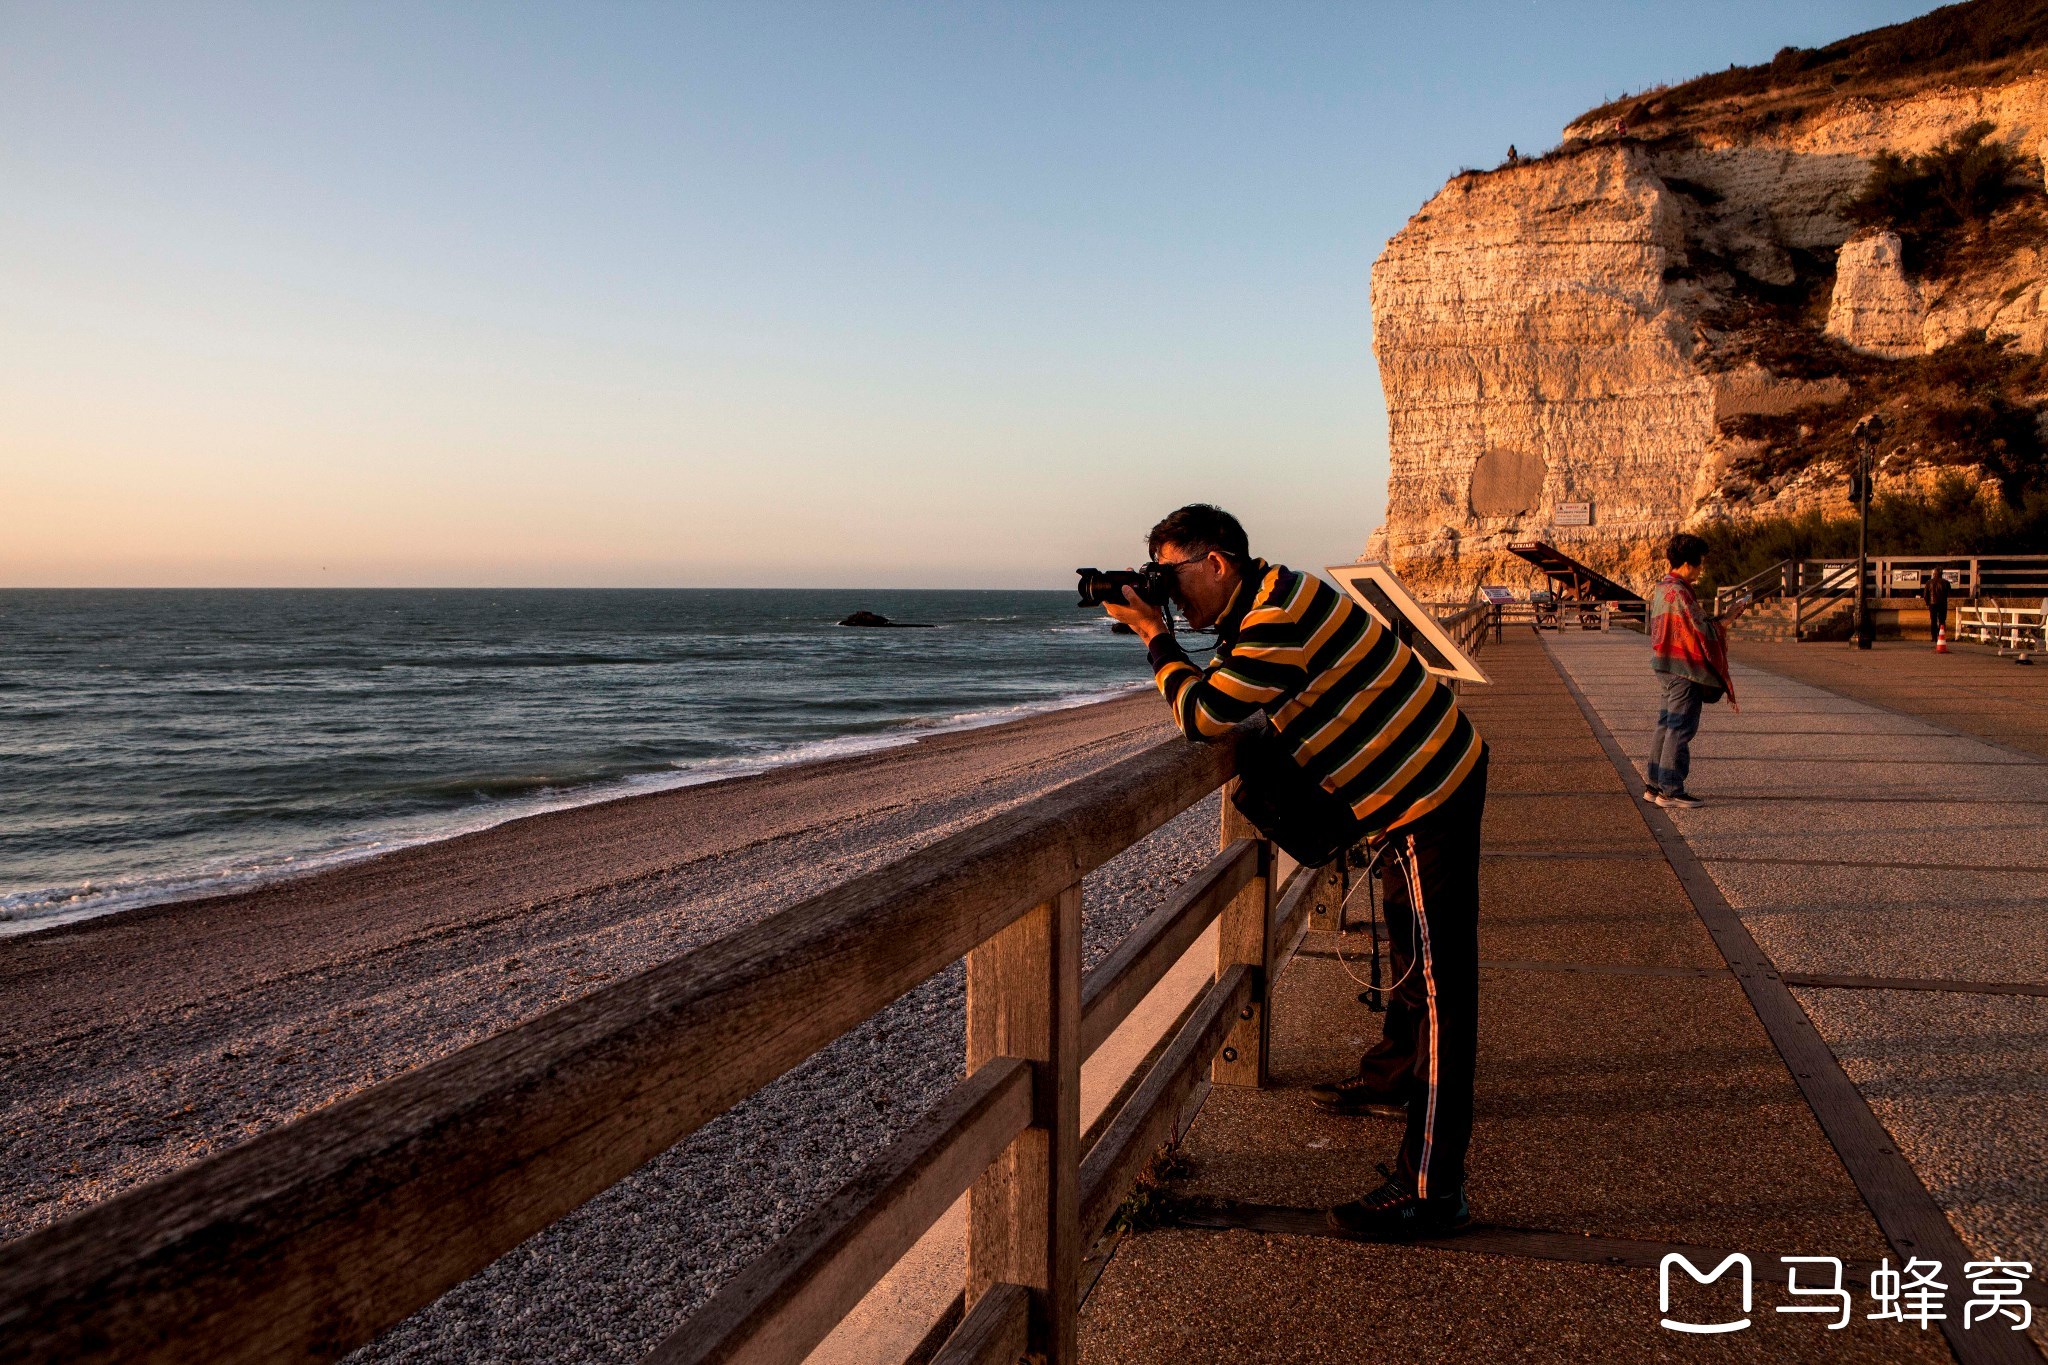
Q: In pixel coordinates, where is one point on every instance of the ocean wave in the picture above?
(34, 910)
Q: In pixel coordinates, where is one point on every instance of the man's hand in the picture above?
(1139, 615)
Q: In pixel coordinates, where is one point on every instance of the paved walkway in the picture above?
(1631, 1100)
(1859, 842)
(1970, 689)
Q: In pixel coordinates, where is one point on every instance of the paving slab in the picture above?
(1564, 822)
(1831, 780)
(1552, 775)
(1197, 1297)
(1978, 834)
(1887, 746)
(1626, 1090)
(1894, 921)
(1962, 1081)
(1642, 1107)
(1969, 689)
(1927, 868)
(1606, 911)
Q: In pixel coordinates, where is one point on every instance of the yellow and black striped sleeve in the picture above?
(1261, 669)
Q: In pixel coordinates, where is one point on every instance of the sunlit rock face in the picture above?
(1532, 353)
(1875, 307)
(1569, 330)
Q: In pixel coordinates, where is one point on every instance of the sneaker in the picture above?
(1395, 1213)
(1354, 1097)
(1679, 800)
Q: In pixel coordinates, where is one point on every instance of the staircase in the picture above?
(1772, 619)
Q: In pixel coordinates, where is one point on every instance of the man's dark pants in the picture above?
(1429, 1046)
(1677, 723)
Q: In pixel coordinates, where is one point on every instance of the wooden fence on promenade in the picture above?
(312, 1239)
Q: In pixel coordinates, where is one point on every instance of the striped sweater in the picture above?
(1353, 704)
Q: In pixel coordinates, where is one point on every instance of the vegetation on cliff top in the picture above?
(1935, 199)
(1970, 404)
(1960, 209)
(1978, 43)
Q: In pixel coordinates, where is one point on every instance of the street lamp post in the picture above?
(1867, 433)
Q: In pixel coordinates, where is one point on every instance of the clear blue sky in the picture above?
(735, 293)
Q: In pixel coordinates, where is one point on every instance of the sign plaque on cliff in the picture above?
(1573, 514)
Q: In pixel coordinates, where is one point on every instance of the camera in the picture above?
(1154, 582)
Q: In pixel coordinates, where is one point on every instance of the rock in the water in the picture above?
(869, 618)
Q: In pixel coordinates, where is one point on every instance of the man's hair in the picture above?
(1201, 528)
(1684, 548)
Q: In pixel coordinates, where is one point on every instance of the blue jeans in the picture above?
(1677, 723)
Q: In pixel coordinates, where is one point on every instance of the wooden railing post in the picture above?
(1024, 1215)
(1241, 938)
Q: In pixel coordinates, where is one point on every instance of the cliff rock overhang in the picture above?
(1676, 315)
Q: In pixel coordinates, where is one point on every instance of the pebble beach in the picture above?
(146, 1041)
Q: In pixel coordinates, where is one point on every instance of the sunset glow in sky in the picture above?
(735, 294)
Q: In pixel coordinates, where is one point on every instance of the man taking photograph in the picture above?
(1365, 745)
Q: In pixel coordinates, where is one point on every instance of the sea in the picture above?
(157, 744)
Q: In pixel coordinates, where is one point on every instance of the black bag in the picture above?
(1288, 806)
(1708, 695)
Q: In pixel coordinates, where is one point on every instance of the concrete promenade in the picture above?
(1661, 1067)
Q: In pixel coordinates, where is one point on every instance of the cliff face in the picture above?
(1658, 318)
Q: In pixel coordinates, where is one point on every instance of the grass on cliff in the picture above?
(1950, 520)
(1981, 42)
(1935, 200)
(1973, 403)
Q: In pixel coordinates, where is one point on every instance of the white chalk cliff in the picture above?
(1569, 329)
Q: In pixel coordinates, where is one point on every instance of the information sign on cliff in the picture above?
(1573, 514)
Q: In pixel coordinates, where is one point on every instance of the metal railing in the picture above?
(310, 1240)
(1997, 576)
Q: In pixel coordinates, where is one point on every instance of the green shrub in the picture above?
(1928, 199)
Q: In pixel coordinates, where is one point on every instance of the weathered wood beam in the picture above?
(994, 1333)
(1241, 937)
(309, 1240)
(1145, 1124)
(791, 1297)
(1124, 978)
(1024, 1000)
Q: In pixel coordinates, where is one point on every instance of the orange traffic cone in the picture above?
(1941, 640)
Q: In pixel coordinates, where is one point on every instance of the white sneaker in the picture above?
(1678, 800)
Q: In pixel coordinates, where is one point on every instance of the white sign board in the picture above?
(1499, 597)
(1573, 514)
(1373, 586)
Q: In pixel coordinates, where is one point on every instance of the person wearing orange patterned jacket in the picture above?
(1688, 652)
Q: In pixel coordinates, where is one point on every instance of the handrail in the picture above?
(1781, 571)
(782, 1304)
(1983, 575)
(1467, 624)
(311, 1239)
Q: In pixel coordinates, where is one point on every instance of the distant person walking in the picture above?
(1686, 648)
(1937, 602)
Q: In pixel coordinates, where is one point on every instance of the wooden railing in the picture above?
(312, 1239)
(1467, 624)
